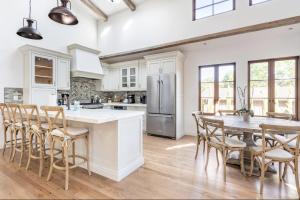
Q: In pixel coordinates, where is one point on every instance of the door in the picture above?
(63, 74)
(133, 77)
(163, 125)
(167, 94)
(43, 71)
(153, 67)
(153, 83)
(124, 78)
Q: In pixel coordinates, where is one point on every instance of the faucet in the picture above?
(68, 102)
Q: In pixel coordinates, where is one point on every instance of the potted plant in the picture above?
(244, 111)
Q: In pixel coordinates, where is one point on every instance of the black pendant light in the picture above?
(29, 31)
(62, 14)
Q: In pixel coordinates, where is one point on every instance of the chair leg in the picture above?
(23, 141)
(5, 139)
(30, 151)
(52, 143)
(284, 171)
(11, 144)
(207, 156)
(15, 145)
(204, 145)
(217, 156)
(242, 162)
(280, 171)
(41, 155)
(297, 176)
(224, 153)
(88, 155)
(73, 152)
(197, 147)
(262, 177)
(252, 164)
(66, 166)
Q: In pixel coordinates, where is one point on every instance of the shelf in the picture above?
(39, 76)
(44, 67)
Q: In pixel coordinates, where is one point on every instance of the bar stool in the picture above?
(35, 130)
(6, 120)
(19, 130)
(65, 136)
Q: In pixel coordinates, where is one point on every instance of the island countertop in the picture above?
(100, 116)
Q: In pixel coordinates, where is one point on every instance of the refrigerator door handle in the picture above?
(159, 115)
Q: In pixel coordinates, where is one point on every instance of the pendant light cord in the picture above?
(29, 9)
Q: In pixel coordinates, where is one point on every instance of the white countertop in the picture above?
(126, 105)
(100, 116)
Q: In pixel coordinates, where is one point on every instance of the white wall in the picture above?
(156, 22)
(273, 43)
(56, 36)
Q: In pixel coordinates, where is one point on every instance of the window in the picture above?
(206, 8)
(253, 2)
(217, 88)
(273, 86)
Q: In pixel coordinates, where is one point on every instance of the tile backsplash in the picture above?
(13, 95)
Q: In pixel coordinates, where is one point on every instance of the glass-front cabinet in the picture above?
(129, 78)
(43, 72)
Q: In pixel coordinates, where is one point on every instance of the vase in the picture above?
(246, 117)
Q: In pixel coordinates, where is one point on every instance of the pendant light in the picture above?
(29, 31)
(62, 14)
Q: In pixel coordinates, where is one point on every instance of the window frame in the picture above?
(271, 80)
(216, 81)
(253, 4)
(194, 9)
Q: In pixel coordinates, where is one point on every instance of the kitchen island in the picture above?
(116, 140)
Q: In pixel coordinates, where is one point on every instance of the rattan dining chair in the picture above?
(6, 121)
(200, 131)
(61, 133)
(281, 152)
(224, 144)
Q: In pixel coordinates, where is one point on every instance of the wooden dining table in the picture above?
(247, 129)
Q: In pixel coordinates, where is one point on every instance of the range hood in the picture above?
(85, 62)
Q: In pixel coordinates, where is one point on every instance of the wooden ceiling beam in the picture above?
(92, 6)
(130, 4)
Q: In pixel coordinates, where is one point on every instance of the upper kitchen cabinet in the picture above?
(45, 71)
(110, 81)
(142, 75)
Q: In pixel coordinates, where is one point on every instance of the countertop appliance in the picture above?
(131, 99)
(161, 106)
(143, 99)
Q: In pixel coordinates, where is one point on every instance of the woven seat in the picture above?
(233, 143)
(71, 132)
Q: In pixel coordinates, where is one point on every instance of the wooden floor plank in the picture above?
(170, 172)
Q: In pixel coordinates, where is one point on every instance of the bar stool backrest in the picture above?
(16, 114)
(56, 118)
(32, 115)
(5, 113)
(211, 127)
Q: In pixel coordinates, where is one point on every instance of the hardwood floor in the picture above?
(170, 172)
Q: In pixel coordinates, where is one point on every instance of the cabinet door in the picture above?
(143, 76)
(115, 79)
(168, 66)
(133, 77)
(63, 74)
(43, 71)
(105, 79)
(153, 67)
(124, 78)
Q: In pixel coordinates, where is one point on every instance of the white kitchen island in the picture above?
(116, 140)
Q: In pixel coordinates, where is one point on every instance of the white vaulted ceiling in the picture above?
(109, 7)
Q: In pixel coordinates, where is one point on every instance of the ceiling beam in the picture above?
(130, 4)
(92, 6)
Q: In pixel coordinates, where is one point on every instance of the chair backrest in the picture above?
(228, 112)
(5, 114)
(211, 127)
(274, 130)
(56, 118)
(280, 115)
(32, 115)
(199, 123)
(15, 113)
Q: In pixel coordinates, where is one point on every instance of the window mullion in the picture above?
(216, 94)
(271, 86)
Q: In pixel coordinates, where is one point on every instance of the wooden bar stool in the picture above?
(6, 120)
(20, 141)
(66, 136)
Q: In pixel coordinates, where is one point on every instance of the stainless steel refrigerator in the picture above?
(161, 105)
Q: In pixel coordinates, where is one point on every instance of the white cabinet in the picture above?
(161, 66)
(129, 78)
(45, 71)
(63, 74)
(142, 76)
(110, 81)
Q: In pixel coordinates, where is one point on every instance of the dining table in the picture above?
(247, 129)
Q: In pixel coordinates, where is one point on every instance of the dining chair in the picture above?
(6, 121)
(200, 131)
(231, 133)
(224, 144)
(270, 141)
(281, 152)
(64, 135)
(20, 141)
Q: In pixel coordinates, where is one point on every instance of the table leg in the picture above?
(234, 157)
